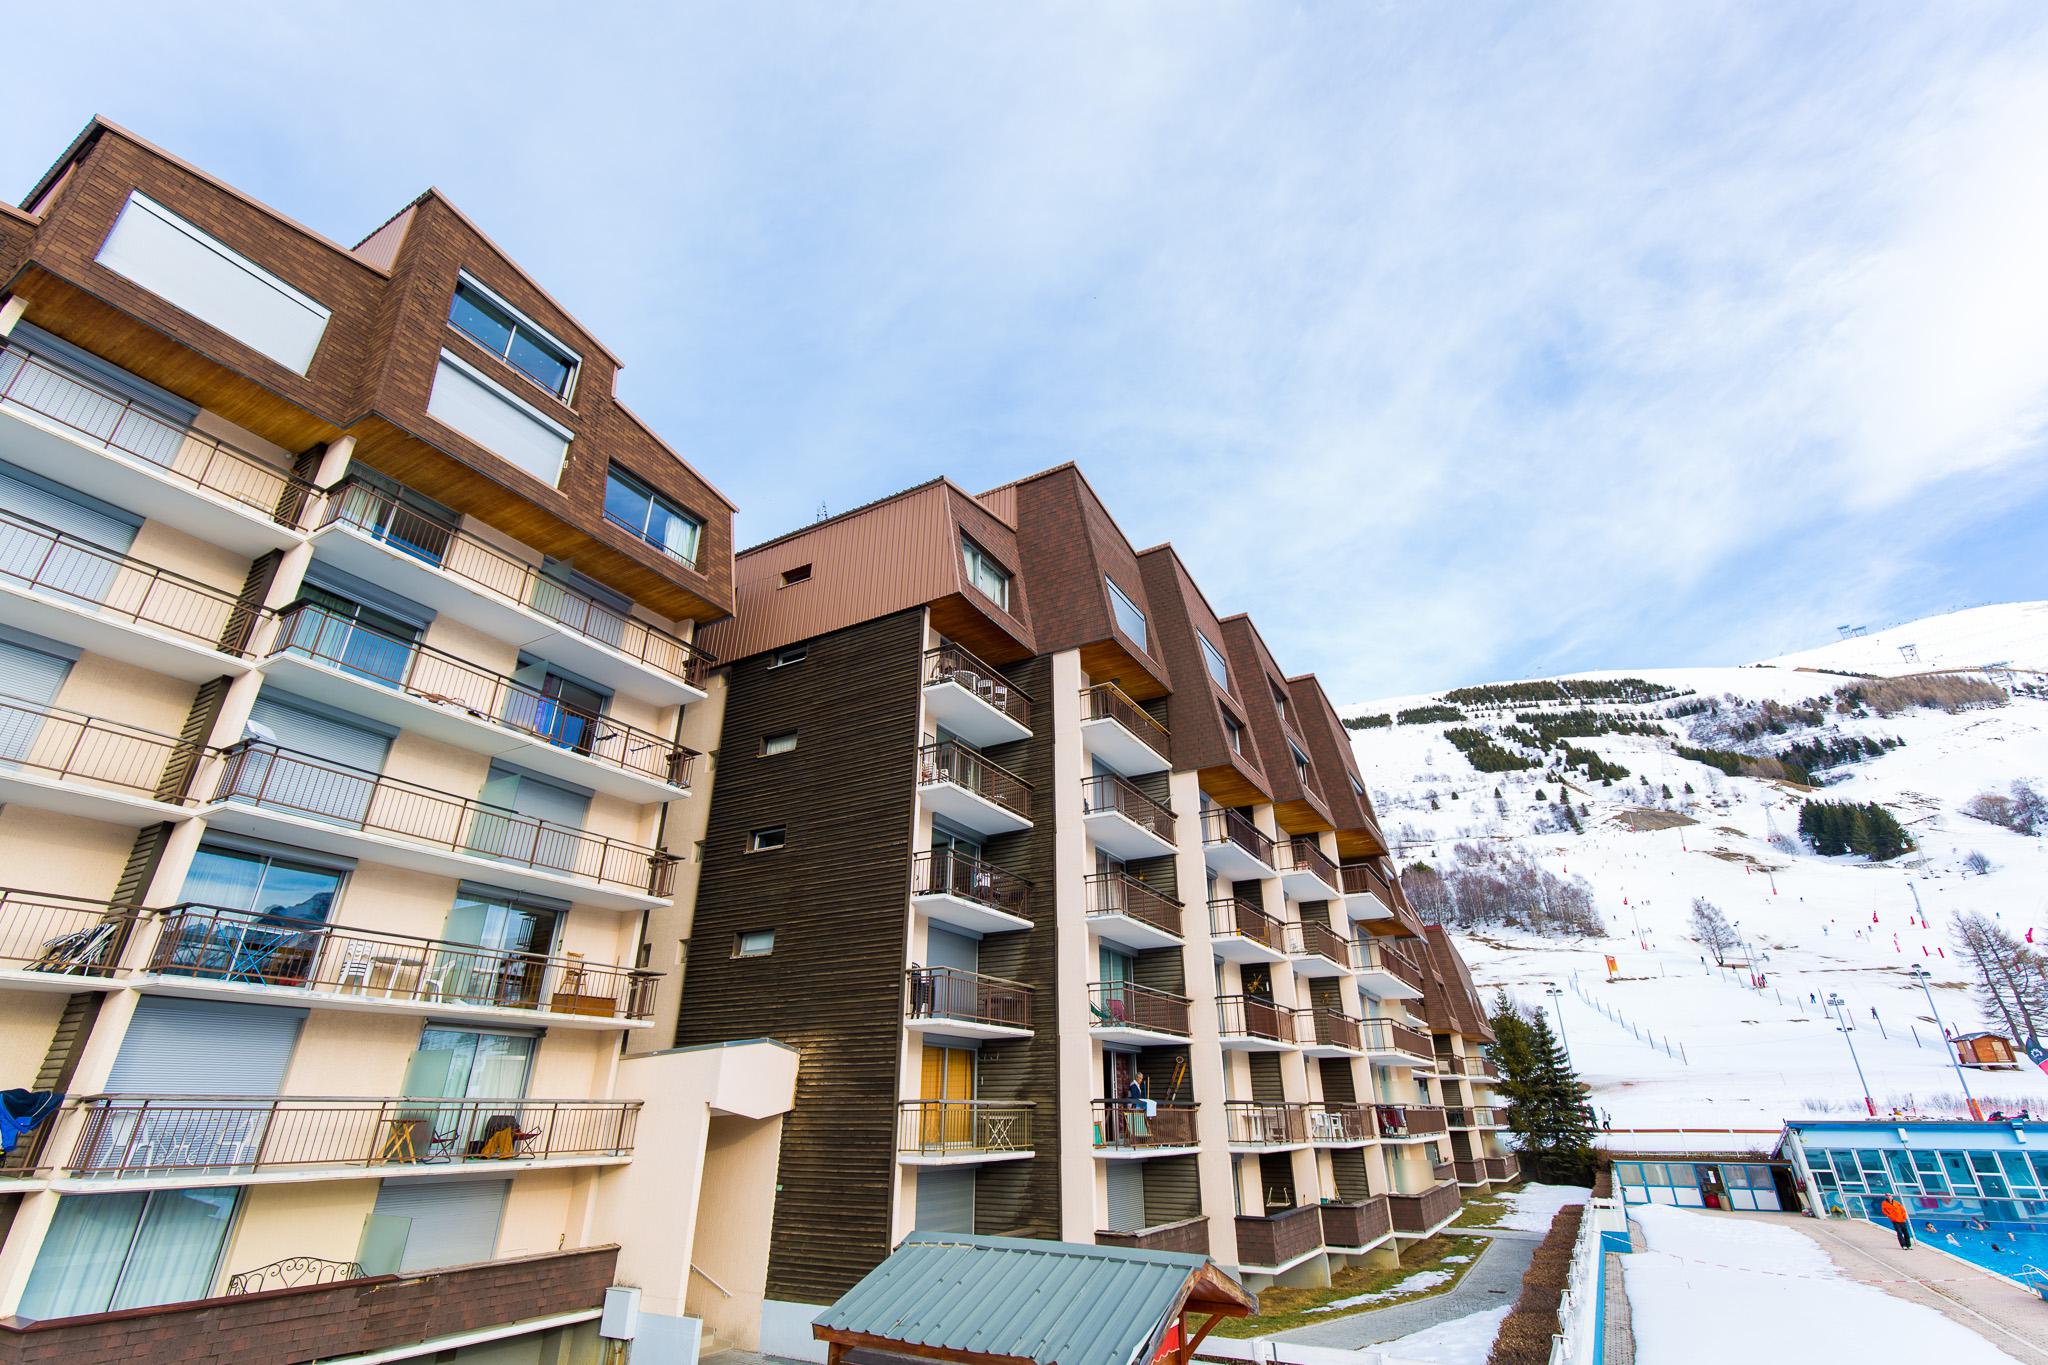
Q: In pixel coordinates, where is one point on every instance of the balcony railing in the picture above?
(1107, 701)
(235, 946)
(1126, 1004)
(950, 663)
(1469, 1172)
(1327, 1028)
(1335, 1121)
(1119, 893)
(1312, 938)
(1385, 1035)
(1356, 1223)
(1421, 1212)
(1190, 1235)
(1303, 855)
(1127, 1125)
(138, 1135)
(1233, 918)
(1264, 1123)
(443, 679)
(291, 1273)
(949, 993)
(72, 747)
(61, 394)
(1281, 1237)
(67, 568)
(282, 780)
(1247, 1016)
(1108, 792)
(1221, 825)
(965, 766)
(1503, 1167)
(1378, 955)
(1408, 1120)
(484, 566)
(62, 935)
(967, 1128)
(1456, 1116)
(943, 872)
(1363, 879)
(1478, 1067)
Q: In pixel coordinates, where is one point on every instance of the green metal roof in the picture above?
(1050, 1302)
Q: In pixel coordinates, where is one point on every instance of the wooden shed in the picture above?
(1987, 1050)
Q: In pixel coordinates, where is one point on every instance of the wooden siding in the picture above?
(1348, 1165)
(1173, 1190)
(1265, 1069)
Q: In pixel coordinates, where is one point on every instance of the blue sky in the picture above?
(1453, 342)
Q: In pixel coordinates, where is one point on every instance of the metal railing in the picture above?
(1265, 1123)
(1408, 1120)
(1126, 1004)
(1119, 893)
(1311, 938)
(1303, 855)
(273, 778)
(1387, 1035)
(59, 565)
(55, 391)
(1233, 918)
(963, 765)
(291, 1272)
(1128, 1125)
(53, 742)
(1247, 1016)
(138, 1135)
(1363, 879)
(484, 566)
(967, 997)
(443, 679)
(1339, 1122)
(62, 935)
(237, 946)
(951, 664)
(1324, 1027)
(941, 1128)
(1107, 701)
(1376, 955)
(1221, 825)
(944, 872)
(1108, 792)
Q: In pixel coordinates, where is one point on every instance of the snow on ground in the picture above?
(1531, 1208)
(2014, 633)
(1461, 1341)
(1408, 1284)
(1709, 1290)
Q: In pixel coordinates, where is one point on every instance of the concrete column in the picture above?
(10, 313)
(1205, 1052)
(24, 1240)
(1082, 1186)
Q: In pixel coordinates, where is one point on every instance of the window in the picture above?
(778, 744)
(1219, 669)
(1300, 762)
(648, 515)
(1280, 705)
(791, 654)
(767, 840)
(1234, 732)
(800, 574)
(989, 578)
(1129, 619)
(269, 888)
(1357, 787)
(488, 321)
(113, 1251)
(754, 943)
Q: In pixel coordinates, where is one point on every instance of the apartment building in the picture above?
(1074, 903)
(351, 707)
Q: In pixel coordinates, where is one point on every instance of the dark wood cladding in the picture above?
(1187, 1235)
(835, 896)
(1299, 808)
(1460, 1003)
(1179, 613)
(1280, 1238)
(375, 363)
(1356, 1224)
(1414, 1213)
(1336, 765)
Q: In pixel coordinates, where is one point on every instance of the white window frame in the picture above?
(773, 745)
(568, 393)
(739, 943)
(976, 559)
(755, 842)
(1219, 667)
(1118, 597)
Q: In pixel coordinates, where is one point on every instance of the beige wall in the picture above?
(62, 854)
(323, 1219)
(733, 1226)
(27, 1021)
(122, 693)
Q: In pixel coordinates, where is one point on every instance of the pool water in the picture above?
(2007, 1248)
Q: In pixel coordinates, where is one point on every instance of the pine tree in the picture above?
(1547, 1112)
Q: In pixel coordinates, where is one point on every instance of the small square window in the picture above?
(767, 840)
(778, 744)
(800, 574)
(791, 654)
(754, 943)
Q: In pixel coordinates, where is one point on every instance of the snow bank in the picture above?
(1531, 1208)
(1411, 1284)
(1461, 1341)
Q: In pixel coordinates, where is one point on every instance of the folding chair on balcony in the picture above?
(355, 968)
(502, 1138)
(73, 953)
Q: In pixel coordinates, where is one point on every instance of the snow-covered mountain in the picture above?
(1672, 1041)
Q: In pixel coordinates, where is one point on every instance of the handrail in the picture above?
(944, 993)
(1230, 917)
(1301, 854)
(950, 663)
(1266, 1123)
(950, 760)
(1371, 954)
(464, 555)
(43, 559)
(1108, 792)
(291, 1272)
(62, 935)
(1248, 1016)
(1119, 893)
(1221, 825)
(1130, 1124)
(275, 778)
(1341, 1121)
(54, 741)
(1107, 701)
(963, 1127)
(945, 872)
(1391, 1035)
(1363, 879)
(1311, 938)
(56, 391)
(1126, 1004)
(1319, 1025)
(434, 675)
(223, 944)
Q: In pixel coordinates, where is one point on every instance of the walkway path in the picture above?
(1494, 1279)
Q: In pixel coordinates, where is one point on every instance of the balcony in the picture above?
(1124, 1129)
(1394, 1043)
(968, 894)
(1305, 870)
(959, 782)
(225, 496)
(466, 578)
(1357, 1226)
(358, 669)
(66, 761)
(1384, 971)
(1479, 1069)
(1272, 1244)
(1188, 1235)
(1317, 950)
(1123, 821)
(1246, 1023)
(60, 943)
(1445, 1170)
(288, 796)
(1125, 910)
(1367, 893)
(1419, 1215)
(1328, 1033)
(1233, 846)
(1408, 1122)
(1125, 1012)
(1469, 1173)
(963, 1004)
(56, 584)
(1333, 1123)
(1265, 1125)
(972, 700)
(224, 1139)
(208, 952)
(1503, 1168)
(1122, 733)
(962, 1132)
(1241, 932)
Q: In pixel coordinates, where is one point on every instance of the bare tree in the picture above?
(2010, 980)
(1711, 929)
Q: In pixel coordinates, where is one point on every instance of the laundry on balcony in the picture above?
(22, 1111)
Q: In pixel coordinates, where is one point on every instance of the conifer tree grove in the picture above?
(1548, 1112)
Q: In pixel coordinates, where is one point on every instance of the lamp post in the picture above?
(1557, 1003)
(1835, 1002)
(1925, 978)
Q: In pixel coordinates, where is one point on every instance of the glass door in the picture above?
(482, 1076)
(513, 941)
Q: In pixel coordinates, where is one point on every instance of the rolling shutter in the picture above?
(310, 784)
(447, 1222)
(59, 568)
(945, 1201)
(945, 949)
(522, 840)
(1126, 1196)
(204, 1047)
(31, 676)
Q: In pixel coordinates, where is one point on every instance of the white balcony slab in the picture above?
(966, 1156)
(1366, 905)
(145, 646)
(1238, 948)
(1321, 1049)
(957, 912)
(76, 796)
(1316, 965)
(965, 1029)
(1381, 984)
(371, 1002)
(1142, 1153)
(54, 983)
(1130, 932)
(211, 1177)
(962, 711)
(1304, 884)
(1234, 861)
(1110, 740)
(970, 808)
(1135, 1036)
(1119, 835)
(1244, 1042)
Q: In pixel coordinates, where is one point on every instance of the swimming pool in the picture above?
(2006, 1248)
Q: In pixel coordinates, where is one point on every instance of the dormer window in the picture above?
(989, 578)
(648, 515)
(1129, 618)
(496, 326)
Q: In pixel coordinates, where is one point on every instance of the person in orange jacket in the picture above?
(1896, 1212)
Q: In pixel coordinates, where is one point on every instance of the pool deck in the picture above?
(2013, 1319)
